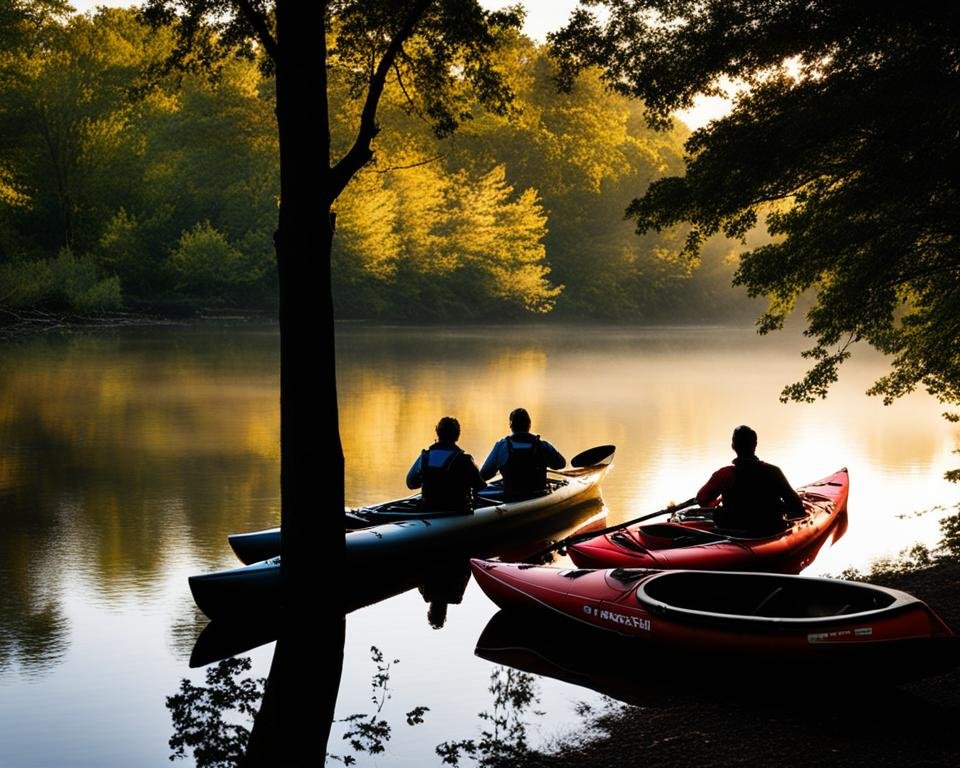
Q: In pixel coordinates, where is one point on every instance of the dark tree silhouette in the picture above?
(442, 52)
(845, 139)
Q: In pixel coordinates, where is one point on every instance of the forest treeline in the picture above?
(123, 188)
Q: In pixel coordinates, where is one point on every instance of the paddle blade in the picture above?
(601, 454)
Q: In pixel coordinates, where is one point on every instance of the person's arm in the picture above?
(473, 474)
(492, 465)
(554, 458)
(414, 476)
(715, 486)
(791, 499)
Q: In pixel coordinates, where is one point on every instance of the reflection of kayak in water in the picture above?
(417, 545)
(690, 540)
(732, 613)
(494, 516)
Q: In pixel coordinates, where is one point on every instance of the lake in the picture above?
(128, 455)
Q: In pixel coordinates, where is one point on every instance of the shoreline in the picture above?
(805, 722)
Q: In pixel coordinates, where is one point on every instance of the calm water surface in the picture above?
(126, 457)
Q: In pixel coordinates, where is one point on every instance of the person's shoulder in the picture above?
(465, 460)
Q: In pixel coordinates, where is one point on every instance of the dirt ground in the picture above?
(801, 722)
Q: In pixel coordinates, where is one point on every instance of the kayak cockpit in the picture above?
(769, 596)
(671, 536)
(409, 508)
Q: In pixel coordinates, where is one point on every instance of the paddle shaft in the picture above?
(610, 529)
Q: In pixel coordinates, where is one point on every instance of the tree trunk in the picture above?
(311, 454)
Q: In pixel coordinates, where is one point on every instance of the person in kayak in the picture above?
(756, 495)
(447, 475)
(522, 459)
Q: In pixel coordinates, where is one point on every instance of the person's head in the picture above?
(448, 430)
(744, 441)
(519, 420)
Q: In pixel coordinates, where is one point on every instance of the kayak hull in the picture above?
(412, 526)
(257, 587)
(233, 592)
(727, 612)
(690, 541)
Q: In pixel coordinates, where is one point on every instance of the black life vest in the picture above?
(525, 471)
(444, 487)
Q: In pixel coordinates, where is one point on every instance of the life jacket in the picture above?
(753, 502)
(443, 487)
(525, 471)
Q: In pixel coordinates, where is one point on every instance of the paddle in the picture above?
(610, 529)
(592, 456)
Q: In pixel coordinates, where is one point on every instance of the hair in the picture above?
(519, 420)
(448, 429)
(744, 440)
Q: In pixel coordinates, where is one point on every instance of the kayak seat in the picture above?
(626, 541)
(666, 536)
(495, 491)
(769, 598)
(743, 533)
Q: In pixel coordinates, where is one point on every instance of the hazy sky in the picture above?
(542, 16)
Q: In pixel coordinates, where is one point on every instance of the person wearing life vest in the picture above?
(448, 476)
(522, 459)
(756, 495)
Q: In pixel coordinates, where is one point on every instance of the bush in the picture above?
(208, 265)
(65, 284)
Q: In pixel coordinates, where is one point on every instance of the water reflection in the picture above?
(276, 735)
(205, 716)
(694, 709)
(503, 737)
(127, 456)
(442, 588)
(212, 721)
(440, 582)
(129, 431)
(33, 628)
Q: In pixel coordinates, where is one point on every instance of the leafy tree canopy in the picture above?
(845, 140)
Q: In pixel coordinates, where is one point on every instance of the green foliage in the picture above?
(417, 236)
(917, 556)
(463, 246)
(206, 264)
(844, 129)
(174, 190)
(65, 283)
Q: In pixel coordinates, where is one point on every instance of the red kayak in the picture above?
(720, 611)
(690, 540)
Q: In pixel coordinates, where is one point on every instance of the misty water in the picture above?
(127, 456)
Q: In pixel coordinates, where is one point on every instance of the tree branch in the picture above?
(259, 23)
(360, 153)
(414, 109)
(411, 165)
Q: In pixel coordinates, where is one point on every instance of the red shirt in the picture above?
(719, 482)
(767, 486)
